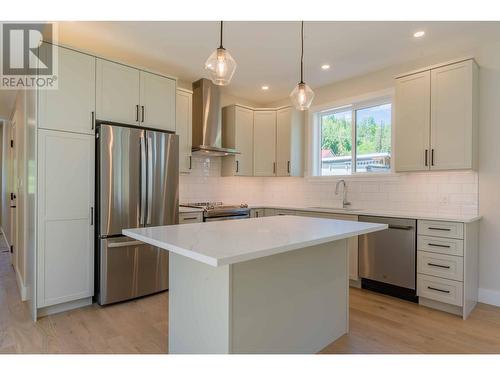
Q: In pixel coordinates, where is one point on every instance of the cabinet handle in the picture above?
(438, 290)
(190, 162)
(432, 157)
(237, 166)
(92, 120)
(426, 157)
(437, 265)
(438, 245)
(288, 167)
(137, 112)
(143, 111)
(256, 213)
(443, 229)
(274, 167)
(190, 218)
(91, 216)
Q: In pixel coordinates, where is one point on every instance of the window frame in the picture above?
(352, 104)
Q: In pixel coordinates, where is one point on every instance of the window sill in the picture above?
(356, 176)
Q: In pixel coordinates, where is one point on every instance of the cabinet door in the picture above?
(157, 102)
(451, 116)
(65, 219)
(244, 141)
(183, 119)
(117, 92)
(413, 122)
(283, 141)
(71, 106)
(264, 150)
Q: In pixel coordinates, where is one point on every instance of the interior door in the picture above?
(162, 178)
(117, 92)
(413, 122)
(120, 183)
(264, 128)
(157, 101)
(12, 191)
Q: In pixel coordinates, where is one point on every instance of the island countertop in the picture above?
(232, 241)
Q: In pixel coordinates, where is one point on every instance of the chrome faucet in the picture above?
(345, 203)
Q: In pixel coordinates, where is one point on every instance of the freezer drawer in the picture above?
(389, 256)
(130, 269)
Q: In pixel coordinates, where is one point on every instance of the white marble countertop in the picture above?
(381, 213)
(232, 241)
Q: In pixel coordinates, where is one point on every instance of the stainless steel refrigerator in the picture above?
(137, 186)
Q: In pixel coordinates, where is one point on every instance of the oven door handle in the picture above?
(221, 218)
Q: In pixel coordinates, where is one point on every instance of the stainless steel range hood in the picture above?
(207, 127)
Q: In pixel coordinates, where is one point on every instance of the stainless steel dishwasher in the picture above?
(387, 259)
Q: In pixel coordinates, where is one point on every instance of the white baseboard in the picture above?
(489, 296)
(23, 290)
(49, 310)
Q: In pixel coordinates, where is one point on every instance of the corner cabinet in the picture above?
(264, 146)
(65, 270)
(71, 107)
(132, 96)
(437, 118)
(183, 127)
(289, 142)
(238, 133)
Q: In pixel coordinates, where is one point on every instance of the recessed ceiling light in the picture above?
(325, 66)
(419, 34)
(265, 87)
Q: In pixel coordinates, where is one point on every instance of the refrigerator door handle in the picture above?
(143, 185)
(149, 179)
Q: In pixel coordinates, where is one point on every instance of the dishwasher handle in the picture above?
(402, 227)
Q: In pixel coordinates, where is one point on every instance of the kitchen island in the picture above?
(263, 285)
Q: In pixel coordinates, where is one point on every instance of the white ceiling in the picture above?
(268, 52)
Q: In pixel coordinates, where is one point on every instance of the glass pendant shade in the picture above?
(302, 96)
(221, 67)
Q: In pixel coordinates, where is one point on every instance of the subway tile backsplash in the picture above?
(446, 193)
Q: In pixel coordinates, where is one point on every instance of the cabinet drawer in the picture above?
(448, 246)
(257, 212)
(190, 217)
(447, 266)
(438, 289)
(441, 229)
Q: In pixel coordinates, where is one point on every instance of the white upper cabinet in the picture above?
(184, 123)
(413, 122)
(264, 125)
(117, 93)
(289, 142)
(453, 116)
(65, 252)
(157, 100)
(237, 130)
(70, 107)
(436, 118)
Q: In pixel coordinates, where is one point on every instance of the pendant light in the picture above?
(302, 95)
(220, 64)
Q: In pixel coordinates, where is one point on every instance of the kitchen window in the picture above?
(355, 139)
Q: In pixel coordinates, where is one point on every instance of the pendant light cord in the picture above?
(221, 28)
(302, 53)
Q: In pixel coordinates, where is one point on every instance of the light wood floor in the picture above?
(378, 324)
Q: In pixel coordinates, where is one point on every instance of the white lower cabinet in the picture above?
(65, 260)
(258, 212)
(447, 265)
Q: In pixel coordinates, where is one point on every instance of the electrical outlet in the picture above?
(443, 200)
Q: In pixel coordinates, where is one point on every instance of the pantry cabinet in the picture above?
(183, 125)
(238, 134)
(70, 107)
(264, 147)
(65, 254)
(289, 142)
(437, 119)
(132, 96)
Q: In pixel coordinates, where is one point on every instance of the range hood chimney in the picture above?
(207, 126)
